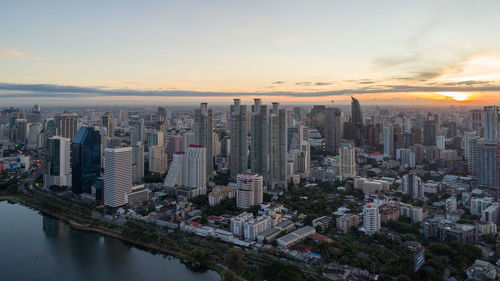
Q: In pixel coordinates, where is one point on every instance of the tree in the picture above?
(235, 259)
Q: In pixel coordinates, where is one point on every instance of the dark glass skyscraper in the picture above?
(86, 159)
(357, 121)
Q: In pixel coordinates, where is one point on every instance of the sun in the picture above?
(458, 96)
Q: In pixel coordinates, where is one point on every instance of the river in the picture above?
(38, 247)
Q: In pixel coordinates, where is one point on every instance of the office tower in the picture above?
(85, 159)
(416, 135)
(162, 112)
(203, 134)
(373, 136)
(347, 161)
(137, 162)
(487, 164)
(304, 157)
(430, 132)
(157, 160)
(175, 175)
(66, 125)
(413, 186)
(491, 123)
(57, 166)
(154, 138)
(299, 114)
(187, 139)
(173, 145)
(333, 129)
(371, 219)
(108, 124)
(137, 133)
(388, 141)
(117, 175)
(477, 116)
(357, 122)
(195, 167)
(239, 146)
(278, 130)
(452, 129)
(317, 118)
(472, 148)
(34, 140)
(259, 160)
(250, 190)
(441, 142)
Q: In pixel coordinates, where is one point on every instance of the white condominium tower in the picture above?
(117, 175)
(195, 167)
(239, 146)
(250, 190)
(371, 218)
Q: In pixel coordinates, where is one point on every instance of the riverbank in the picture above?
(219, 268)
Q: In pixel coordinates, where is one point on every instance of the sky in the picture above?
(290, 51)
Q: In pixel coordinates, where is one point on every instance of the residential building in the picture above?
(57, 162)
(249, 190)
(239, 146)
(117, 175)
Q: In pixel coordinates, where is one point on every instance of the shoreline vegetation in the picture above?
(221, 269)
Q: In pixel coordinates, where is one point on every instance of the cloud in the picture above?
(303, 83)
(322, 83)
(10, 53)
(278, 82)
(11, 90)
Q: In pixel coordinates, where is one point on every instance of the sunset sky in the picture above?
(296, 52)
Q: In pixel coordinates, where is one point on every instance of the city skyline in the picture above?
(426, 53)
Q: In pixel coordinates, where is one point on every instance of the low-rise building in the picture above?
(252, 228)
(416, 214)
(389, 211)
(323, 222)
(238, 222)
(481, 269)
(220, 193)
(296, 236)
(346, 221)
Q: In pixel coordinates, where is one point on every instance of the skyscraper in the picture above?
(487, 164)
(86, 159)
(249, 190)
(66, 125)
(173, 145)
(259, 160)
(491, 123)
(430, 132)
(333, 129)
(195, 167)
(137, 162)
(175, 175)
(357, 122)
(157, 160)
(388, 141)
(108, 124)
(137, 133)
(117, 175)
(347, 161)
(477, 121)
(203, 130)
(57, 168)
(278, 130)
(239, 146)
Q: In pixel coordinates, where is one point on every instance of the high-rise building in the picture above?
(491, 123)
(57, 165)
(487, 164)
(259, 160)
(347, 166)
(154, 138)
(416, 135)
(85, 159)
(371, 219)
(173, 145)
(137, 133)
(412, 185)
(117, 175)
(195, 167)
(332, 129)
(388, 141)
(137, 162)
(304, 157)
(239, 146)
(317, 117)
(108, 123)
(430, 132)
(441, 142)
(357, 122)
(175, 175)
(66, 125)
(203, 131)
(278, 147)
(477, 121)
(157, 160)
(250, 190)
